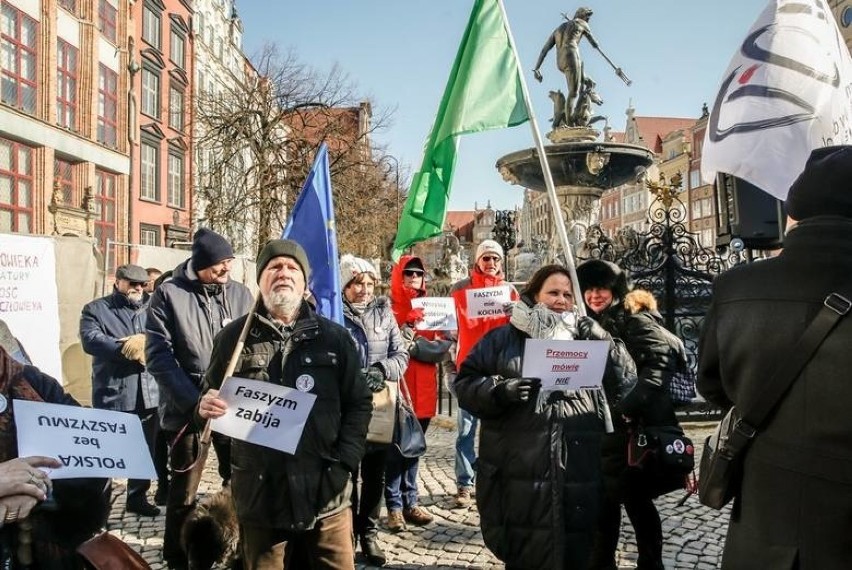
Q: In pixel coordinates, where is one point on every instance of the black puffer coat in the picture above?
(658, 356)
(538, 477)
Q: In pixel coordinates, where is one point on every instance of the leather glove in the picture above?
(413, 316)
(375, 378)
(589, 329)
(133, 347)
(513, 390)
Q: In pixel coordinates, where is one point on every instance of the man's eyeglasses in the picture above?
(412, 272)
(494, 258)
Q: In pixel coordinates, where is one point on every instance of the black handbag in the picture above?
(724, 451)
(664, 448)
(408, 436)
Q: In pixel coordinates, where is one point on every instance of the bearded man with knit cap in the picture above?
(288, 504)
(794, 509)
(185, 314)
(487, 272)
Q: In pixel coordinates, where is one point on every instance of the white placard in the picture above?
(566, 364)
(264, 413)
(88, 442)
(28, 298)
(487, 301)
(439, 313)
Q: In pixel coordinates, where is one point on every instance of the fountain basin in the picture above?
(577, 163)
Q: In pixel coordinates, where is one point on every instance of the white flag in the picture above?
(787, 91)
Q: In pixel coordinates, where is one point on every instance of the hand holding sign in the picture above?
(211, 405)
(22, 477)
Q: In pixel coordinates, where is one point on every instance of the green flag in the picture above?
(484, 92)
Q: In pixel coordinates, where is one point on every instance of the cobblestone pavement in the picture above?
(694, 535)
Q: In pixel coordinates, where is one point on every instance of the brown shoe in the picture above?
(417, 515)
(395, 522)
(463, 498)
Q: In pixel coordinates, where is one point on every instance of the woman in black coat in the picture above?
(633, 318)
(538, 481)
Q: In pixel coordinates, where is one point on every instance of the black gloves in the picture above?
(375, 378)
(589, 329)
(513, 390)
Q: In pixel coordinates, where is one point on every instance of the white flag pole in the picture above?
(579, 303)
(548, 177)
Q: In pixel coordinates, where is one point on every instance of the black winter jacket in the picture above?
(274, 489)
(795, 506)
(182, 322)
(538, 481)
(116, 380)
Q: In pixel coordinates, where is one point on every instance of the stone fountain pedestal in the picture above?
(582, 168)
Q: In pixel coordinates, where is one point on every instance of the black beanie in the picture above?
(286, 247)
(603, 274)
(824, 188)
(209, 248)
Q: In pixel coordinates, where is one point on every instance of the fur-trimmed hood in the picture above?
(640, 300)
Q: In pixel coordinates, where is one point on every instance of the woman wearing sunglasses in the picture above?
(408, 281)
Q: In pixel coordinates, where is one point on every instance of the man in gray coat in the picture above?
(794, 509)
(112, 330)
(186, 312)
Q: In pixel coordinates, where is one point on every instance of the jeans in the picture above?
(328, 546)
(465, 448)
(367, 497)
(401, 477)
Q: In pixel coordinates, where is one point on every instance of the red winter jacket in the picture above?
(471, 330)
(421, 378)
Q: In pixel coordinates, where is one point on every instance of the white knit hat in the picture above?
(489, 246)
(351, 267)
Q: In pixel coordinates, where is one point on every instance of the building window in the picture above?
(63, 175)
(149, 187)
(18, 60)
(149, 235)
(70, 5)
(177, 45)
(151, 26)
(175, 181)
(176, 109)
(150, 93)
(694, 178)
(108, 20)
(105, 195)
(66, 85)
(16, 187)
(107, 106)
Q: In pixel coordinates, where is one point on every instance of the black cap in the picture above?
(132, 273)
(824, 188)
(286, 247)
(209, 248)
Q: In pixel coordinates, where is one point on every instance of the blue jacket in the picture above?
(116, 381)
(183, 319)
(377, 337)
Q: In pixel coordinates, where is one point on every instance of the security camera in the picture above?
(737, 245)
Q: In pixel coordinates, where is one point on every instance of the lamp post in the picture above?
(392, 163)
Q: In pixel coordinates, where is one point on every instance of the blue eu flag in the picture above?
(311, 225)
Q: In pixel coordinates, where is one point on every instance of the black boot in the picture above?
(372, 551)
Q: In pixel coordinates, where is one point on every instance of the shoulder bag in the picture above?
(408, 436)
(721, 473)
(108, 552)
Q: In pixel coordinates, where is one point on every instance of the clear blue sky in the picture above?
(399, 52)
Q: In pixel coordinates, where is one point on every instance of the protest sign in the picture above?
(28, 299)
(487, 301)
(439, 313)
(264, 413)
(88, 442)
(565, 364)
